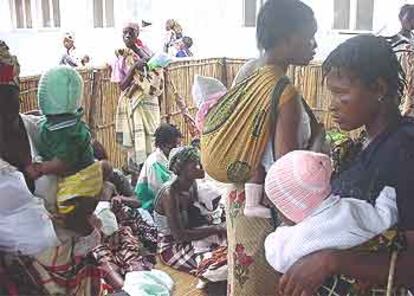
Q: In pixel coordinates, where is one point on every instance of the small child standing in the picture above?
(66, 150)
(298, 184)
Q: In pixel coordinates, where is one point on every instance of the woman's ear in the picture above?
(381, 88)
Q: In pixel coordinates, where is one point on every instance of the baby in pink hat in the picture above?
(298, 184)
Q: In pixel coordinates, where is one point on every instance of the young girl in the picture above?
(298, 184)
(65, 148)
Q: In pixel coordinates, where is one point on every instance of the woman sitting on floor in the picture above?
(173, 205)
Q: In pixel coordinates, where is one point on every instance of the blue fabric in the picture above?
(387, 161)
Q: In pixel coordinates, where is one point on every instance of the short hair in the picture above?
(188, 41)
(278, 19)
(165, 134)
(369, 57)
(407, 8)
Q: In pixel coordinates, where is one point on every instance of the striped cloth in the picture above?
(179, 256)
(55, 272)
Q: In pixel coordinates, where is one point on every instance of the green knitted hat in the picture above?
(60, 91)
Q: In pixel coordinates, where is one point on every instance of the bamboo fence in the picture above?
(101, 96)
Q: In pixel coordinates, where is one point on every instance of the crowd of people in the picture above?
(289, 221)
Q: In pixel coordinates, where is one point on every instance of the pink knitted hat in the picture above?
(298, 183)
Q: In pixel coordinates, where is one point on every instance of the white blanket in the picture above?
(339, 223)
(25, 224)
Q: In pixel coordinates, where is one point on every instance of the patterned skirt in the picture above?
(179, 256)
(248, 271)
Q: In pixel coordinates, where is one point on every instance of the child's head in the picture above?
(207, 89)
(206, 92)
(60, 91)
(167, 137)
(187, 41)
(298, 183)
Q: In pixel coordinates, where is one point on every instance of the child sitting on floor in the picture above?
(298, 184)
(66, 150)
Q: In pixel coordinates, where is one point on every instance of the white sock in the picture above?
(254, 195)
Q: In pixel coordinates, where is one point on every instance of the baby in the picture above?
(206, 93)
(298, 184)
(66, 150)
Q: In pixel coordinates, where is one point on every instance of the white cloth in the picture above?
(104, 213)
(338, 223)
(25, 224)
(148, 283)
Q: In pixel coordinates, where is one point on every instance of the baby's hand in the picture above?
(34, 170)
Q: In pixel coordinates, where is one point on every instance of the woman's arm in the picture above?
(126, 82)
(309, 273)
(287, 127)
(178, 231)
(52, 167)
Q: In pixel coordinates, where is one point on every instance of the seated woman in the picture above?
(154, 172)
(367, 83)
(172, 207)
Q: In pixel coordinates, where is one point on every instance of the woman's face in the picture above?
(68, 43)
(301, 46)
(353, 104)
(129, 35)
(166, 149)
(193, 170)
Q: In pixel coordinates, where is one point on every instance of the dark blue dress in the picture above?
(387, 161)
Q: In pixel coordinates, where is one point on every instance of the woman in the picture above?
(138, 111)
(155, 171)
(285, 32)
(367, 82)
(172, 209)
(63, 269)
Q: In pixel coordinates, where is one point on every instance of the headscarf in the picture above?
(9, 67)
(68, 36)
(60, 91)
(132, 25)
(180, 156)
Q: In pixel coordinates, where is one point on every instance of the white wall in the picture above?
(215, 26)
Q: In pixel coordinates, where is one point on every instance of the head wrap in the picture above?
(68, 36)
(180, 156)
(298, 183)
(132, 25)
(9, 67)
(60, 91)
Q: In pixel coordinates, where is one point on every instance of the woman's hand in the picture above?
(34, 171)
(308, 274)
(221, 230)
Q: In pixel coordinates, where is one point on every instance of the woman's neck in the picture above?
(273, 60)
(406, 33)
(184, 184)
(381, 123)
